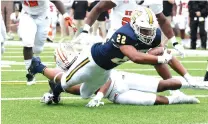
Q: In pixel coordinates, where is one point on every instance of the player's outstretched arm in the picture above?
(96, 101)
(142, 58)
(168, 31)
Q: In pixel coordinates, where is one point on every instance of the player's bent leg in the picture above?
(139, 82)
(28, 38)
(169, 84)
(134, 97)
(87, 89)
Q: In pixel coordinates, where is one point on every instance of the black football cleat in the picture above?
(56, 90)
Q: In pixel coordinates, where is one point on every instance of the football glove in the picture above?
(96, 101)
(68, 22)
(165, 58)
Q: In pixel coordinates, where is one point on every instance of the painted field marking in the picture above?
(18, 52)
(23, 70)
(34, 98)
(22, 56)
(39, 98)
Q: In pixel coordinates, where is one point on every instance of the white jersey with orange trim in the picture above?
(35, 7)
(122, 12)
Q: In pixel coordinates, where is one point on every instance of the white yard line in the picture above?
(39, 98)
(34, 98)
(22, 56)
(20, 52)
(147, 69)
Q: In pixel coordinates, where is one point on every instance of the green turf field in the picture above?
(21, 103)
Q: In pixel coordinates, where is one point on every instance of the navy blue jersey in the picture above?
(108, 55)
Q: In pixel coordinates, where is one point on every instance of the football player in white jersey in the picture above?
(182, 18)
(122, 10)
(135, 89)
(34, 25)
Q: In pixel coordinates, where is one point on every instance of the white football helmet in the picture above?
(144, 23)
(65, 56)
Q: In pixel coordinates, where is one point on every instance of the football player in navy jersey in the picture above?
(130, 42)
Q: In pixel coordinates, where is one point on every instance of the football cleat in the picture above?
(56, 90)
(36, 66)
(30, 79)
(185, 99)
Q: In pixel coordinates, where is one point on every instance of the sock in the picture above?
(27, 64)
(172, 92)
(36, 55)
(187, 77)
(185, 84)
(171, 99)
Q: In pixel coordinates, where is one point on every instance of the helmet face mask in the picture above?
(146, 35)
(143, 25)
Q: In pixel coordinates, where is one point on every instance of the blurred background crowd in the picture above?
(189, 19)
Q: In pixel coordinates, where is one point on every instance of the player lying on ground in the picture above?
(135, 89)
(93, 67)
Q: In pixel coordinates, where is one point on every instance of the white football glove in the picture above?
(179, 48)
(165, 58)
(96, 101)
